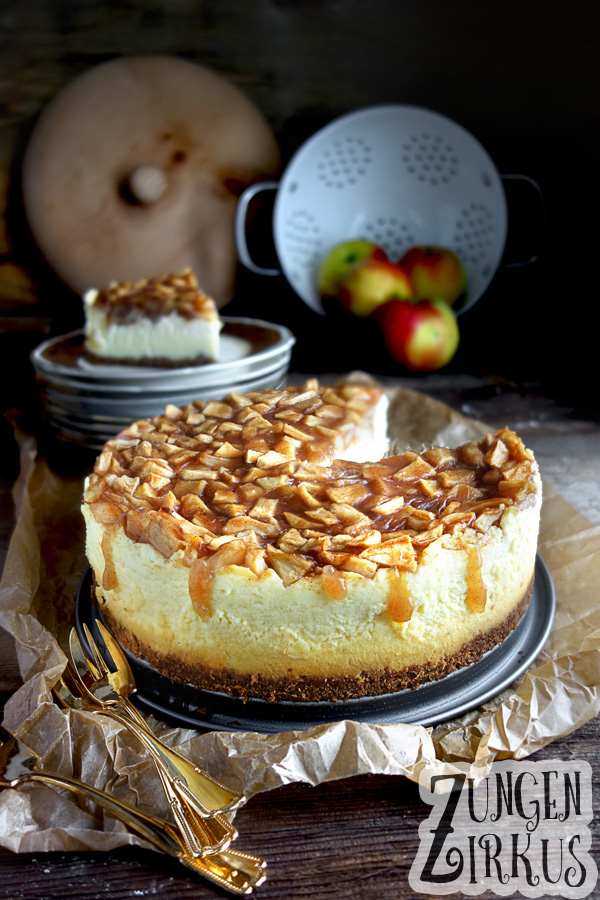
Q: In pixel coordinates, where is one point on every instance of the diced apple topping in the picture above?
(252, 481)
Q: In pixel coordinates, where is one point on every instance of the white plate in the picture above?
(92, 427)
(124, 410)
(115, 390)
(249, 346)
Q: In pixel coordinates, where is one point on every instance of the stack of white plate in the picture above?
(88, 402)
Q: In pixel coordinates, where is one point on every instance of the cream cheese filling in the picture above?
(258, 624)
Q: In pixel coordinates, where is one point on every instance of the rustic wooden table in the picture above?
(354, 838)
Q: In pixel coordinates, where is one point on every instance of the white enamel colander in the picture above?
(396, 175)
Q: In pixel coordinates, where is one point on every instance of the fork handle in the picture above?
(198, 844)
(202, 836)
(206, 795)
(205, 835)
(145, 826)
(234, 871)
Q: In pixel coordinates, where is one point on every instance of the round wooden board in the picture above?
(202, 141)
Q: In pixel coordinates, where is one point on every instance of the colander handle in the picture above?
(513, 264)
(241, 214)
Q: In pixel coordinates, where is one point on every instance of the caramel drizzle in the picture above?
(476, 598)
(222, 456)
(399, 605)
(334, 583)
(200, 584)
(109, 576)
(156, 297)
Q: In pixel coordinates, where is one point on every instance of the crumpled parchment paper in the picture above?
(559, 693)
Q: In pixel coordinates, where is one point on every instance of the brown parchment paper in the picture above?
(45, 562)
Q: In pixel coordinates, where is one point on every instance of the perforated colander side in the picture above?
(390, 233)
(474, 236)
(430, 158)
(345, 161)
(302, 234)
(427, 157)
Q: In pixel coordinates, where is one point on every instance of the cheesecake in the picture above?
(164, 321)
(264, 546)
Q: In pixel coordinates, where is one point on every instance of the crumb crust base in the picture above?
(153, 362)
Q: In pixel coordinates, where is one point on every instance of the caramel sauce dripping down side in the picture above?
(399, 604)
(109, 576)
(200, 583)
(334, 583)
(476, 598)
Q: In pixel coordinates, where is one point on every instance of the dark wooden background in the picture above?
(523, 77)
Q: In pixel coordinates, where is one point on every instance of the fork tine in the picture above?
(69, 686)
(82, 665)
(114, 650)
(98, 658)
(122, 679)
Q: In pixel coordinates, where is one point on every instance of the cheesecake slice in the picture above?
(248, 545)
(165, 321)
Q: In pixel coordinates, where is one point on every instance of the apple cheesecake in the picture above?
(164, 321)
(265, 547)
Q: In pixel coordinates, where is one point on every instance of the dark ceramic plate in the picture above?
(430, 704)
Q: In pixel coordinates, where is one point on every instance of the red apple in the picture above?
(421, 335)
(435, 272)
(340, 259)
(369, 284)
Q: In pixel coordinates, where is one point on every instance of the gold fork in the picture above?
(204, 793)
(234, 871)
(203, 835)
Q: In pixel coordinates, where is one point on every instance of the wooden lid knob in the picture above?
(147, 184)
